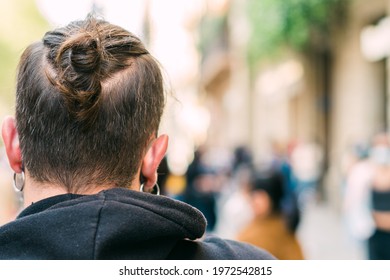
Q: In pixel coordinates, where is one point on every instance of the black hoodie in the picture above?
(115, 224)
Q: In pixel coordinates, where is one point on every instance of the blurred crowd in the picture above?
(257, 202)
(262, 202)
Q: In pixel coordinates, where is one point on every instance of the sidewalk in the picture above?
(323, 236)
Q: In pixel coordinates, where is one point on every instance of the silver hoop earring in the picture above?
(155, 190)
(19, 181)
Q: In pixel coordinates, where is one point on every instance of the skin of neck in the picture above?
(34, 191)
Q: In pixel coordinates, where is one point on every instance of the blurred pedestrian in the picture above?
(270, 226)
(357, 212)
(379, 241)
(307, 167)
(200, 190)
(233, 210)
(367, 199)
(281, 162)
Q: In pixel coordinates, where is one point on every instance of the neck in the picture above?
(35, 191)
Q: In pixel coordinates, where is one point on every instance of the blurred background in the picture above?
(300, 85)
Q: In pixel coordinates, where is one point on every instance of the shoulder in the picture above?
(231, 249)
(215, 248)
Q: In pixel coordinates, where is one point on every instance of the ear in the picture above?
(152, 159)
(11, 143)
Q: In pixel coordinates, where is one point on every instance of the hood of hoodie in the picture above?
(113, 224)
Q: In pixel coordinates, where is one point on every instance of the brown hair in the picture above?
(89, 98)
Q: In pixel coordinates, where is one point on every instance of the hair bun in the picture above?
(79, 73)
(85, 55)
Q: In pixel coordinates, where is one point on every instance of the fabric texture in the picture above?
(115, 224)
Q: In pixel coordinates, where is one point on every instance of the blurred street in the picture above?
(323, 236)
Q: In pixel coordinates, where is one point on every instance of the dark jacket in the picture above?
(115, 224)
